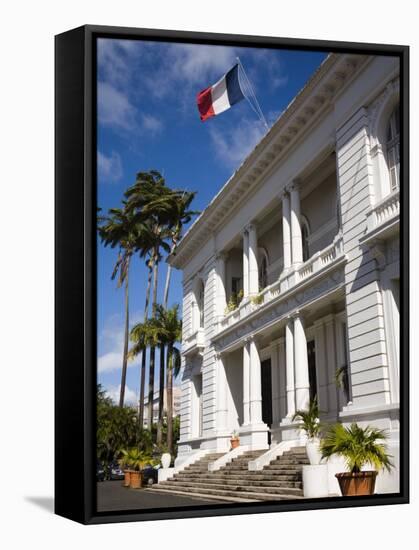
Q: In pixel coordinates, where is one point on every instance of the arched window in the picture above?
(305, 232)
(201, 303)
(393, 149)
(263, 272)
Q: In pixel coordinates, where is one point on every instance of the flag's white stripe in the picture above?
(220, 97)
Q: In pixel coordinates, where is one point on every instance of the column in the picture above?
(286, 229)
(296, 241)
(221, 292)
(253, 261)
(289, 361)
(246, 383)
(302, 384)
(245, 263)
(322, 361)
(222, 405)
(332, 362)
(255, 385)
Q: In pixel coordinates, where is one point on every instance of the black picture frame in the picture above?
(75, 273)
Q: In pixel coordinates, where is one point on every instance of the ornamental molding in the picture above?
(286, 309)
(375, 111)
(308, 106)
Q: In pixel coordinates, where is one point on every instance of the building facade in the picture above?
(291, 274)
(176, 395)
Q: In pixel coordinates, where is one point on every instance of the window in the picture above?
(236, 285)
(201, 303)
(304, 237)
(393, 149)
(263, 273)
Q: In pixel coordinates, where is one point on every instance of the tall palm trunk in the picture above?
(161, 397)
(152, 349)
(125, 356)
(169, 385)
(169, 272)
(162, 352)
(144, 355)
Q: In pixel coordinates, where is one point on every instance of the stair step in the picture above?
(249, 477)
(244, 494)
(233, 486)
(236, 483)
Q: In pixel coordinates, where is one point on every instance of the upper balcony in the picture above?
(321, 263)
(383, 218)
(194, 342)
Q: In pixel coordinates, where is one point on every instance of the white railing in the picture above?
(319, 261)
(386, 210)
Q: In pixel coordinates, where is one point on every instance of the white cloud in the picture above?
(109, 168)
(109, 361)
(111, 343)
(233, 145)
(152, 124)
(114, 108)
(130, 397)
(196, 63)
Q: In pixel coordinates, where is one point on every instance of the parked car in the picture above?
(150, 475)
(115, 471)
(100, 472)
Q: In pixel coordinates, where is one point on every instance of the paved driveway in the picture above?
(112, 496)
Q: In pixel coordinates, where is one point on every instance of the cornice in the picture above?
(307, 106)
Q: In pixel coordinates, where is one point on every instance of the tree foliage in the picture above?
(358, 446)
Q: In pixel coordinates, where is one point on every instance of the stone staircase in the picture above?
(281, 479)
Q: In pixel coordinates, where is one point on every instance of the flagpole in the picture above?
(258, 109)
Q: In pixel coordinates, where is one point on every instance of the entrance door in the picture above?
(312, 376)
(267, 394)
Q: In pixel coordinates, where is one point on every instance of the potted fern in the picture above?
(136, 460)
(310, 424)
(124, 463)
(359, 447)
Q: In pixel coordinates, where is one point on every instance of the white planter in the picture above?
(313, 450)
(165, 460)
(315, 482)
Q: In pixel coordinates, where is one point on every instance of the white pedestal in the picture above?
(315, 481)
(165, 473)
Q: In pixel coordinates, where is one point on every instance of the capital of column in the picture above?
(297, 315)
(250, 227)
(221, 256)
(284, 194)
(294, 185)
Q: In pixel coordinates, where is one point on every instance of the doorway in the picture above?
(312, 375)
(267, 395)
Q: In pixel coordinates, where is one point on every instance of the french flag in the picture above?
(221, 96)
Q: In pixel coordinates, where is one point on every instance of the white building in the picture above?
(175, 406)
(308, 229)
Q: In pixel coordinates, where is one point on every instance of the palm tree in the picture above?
(180, 216)
(151, 202)
(118, 229)
(145, 335)
(169, 328)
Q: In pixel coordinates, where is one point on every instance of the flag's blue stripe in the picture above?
(234, 91)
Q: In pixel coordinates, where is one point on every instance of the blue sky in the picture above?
(148, 119)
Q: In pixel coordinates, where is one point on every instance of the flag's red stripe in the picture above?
(204, 101)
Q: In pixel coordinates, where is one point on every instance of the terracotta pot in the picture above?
(362, 483)
(127, 478)
(136, 479)
(234, 442)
